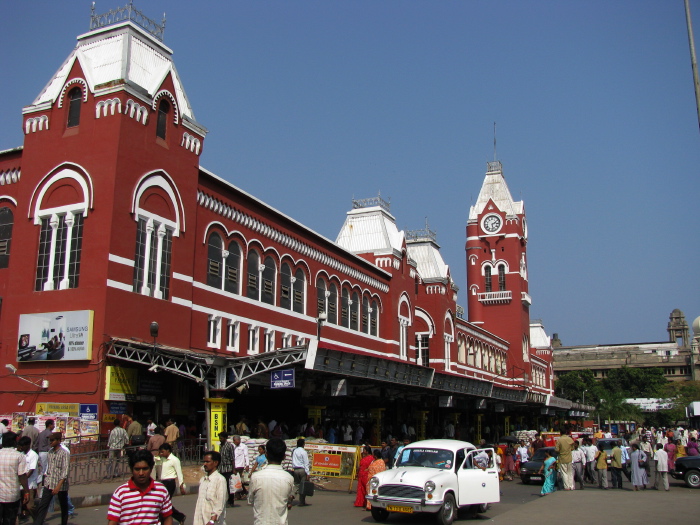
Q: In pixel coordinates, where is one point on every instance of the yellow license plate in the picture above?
(398, 508)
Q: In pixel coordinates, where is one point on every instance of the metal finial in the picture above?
(495, 157)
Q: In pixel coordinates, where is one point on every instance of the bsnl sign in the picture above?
(282, 379)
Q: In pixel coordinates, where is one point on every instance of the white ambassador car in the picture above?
(439, 476)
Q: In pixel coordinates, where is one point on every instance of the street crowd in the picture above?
(588, 459)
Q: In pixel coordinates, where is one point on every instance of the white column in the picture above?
(157, 292)
(145, 290)
(70, 221)
(224, 255)
(53, 222)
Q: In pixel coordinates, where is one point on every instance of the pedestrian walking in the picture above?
(55, 481)
(117, 440)
(44, 445)
(578, 461)
(601, 465)
(211, 500)
(24, 445)
(300, 464)
(171, 476)
(661, 458)
(616, 466)
(564, 447)
(638, 461)
(141, 500)
(271, 489)
(227, 458)
(241, 462)
(13, 479)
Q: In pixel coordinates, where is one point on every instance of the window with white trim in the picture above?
(253, 339)
(333, 305)
(269, 283)
(374, 319)
(154, 240)
(214, 331)
(232, 332)
(6, 223)
(286, 287)
(60, 245)
(269, 340)
(299, 292)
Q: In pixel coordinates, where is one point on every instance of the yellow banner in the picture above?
(47, 409)
(217, 423)
(121, 384)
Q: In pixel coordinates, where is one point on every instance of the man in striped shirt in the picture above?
(141, 500)
(55, 481)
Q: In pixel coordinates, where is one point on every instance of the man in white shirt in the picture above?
(589, 449)
(661, 458)
(171, 476)
(523, 453)
(578, 462)
(150, 428)
(271, 489)
(241, 461)
(300, 464)
(25, 445)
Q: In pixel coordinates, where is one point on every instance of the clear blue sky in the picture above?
(309, 103)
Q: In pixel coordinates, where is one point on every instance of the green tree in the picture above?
(681, 394)
(636, 382)
(578, 385)
(613, 407)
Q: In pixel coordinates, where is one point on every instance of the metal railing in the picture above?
(103, 465)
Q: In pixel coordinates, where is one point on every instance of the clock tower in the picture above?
(497, 280)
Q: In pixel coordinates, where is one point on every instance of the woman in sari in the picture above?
(670, 449)
(510, 463)
(362, 478)
(549, 469)
(377, 466)
(638, 461)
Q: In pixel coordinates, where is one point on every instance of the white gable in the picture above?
(120, 54)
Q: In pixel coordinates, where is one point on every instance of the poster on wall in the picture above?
(55, 336)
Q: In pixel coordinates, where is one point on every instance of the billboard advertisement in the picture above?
(55, 336)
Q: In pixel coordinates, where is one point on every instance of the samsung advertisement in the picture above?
(55, 336)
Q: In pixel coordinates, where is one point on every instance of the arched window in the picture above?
(461, 351)
(365, 315)
(345, 309)
(162, 121)
(286, 287)
(268, 281)
(232, 265)
(373, 318)
(354, 311)
(501, 277)
(487, 279)
(6, 223)
(299, 288)
(154, 242)
(253, 271)
(320, 295)
(333, 305)
(214, 262)
(75, 100)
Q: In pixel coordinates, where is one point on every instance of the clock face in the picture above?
(491, 223)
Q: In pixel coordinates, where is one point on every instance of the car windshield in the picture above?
(539, 455)
(426, 457)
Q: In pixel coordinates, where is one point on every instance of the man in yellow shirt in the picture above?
(564, 447)
(616, 466)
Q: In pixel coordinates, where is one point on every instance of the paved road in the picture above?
(520, 504)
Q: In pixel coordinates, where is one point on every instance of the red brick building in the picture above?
(108, 223)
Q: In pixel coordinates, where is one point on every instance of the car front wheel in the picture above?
(446, 514)
(692, 478)
(380, 515)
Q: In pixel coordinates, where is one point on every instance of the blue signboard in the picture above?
(282, 378)
(88, 411)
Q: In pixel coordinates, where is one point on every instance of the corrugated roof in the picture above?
(538, 337)
(122, 52)
(370, 230)
(430, 264)
(495, 188)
